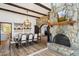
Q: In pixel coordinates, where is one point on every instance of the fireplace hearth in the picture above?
(62, 40)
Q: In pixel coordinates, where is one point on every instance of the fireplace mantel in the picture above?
(61, 23)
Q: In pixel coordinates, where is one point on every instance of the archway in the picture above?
(43, 28)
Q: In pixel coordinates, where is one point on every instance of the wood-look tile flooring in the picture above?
(48, 52)
(23, 51)
(28, 50)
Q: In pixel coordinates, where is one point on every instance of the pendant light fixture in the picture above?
(27, 23)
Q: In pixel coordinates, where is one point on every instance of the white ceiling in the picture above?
(30, 6)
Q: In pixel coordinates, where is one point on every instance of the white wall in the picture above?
(15, 18)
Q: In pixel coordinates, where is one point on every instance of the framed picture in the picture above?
(6, 28)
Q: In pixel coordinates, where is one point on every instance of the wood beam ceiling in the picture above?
(41, 5)
(18, 12)
(11, 4)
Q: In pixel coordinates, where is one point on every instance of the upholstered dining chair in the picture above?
(19, 39)
(35, 37)
(24, 39)
(30, 38)
(19, 36)
(39, 37)
(13, 42)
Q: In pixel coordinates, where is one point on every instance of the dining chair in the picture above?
(39, 37)
(35, 37)
(30, 38)
(23, 39)
(13, 43)
(19, 36)
(19, 39)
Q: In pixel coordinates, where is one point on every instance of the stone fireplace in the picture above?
(64, 39)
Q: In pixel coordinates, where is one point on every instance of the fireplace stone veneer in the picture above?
(71, 33)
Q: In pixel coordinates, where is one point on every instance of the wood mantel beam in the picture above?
(61, 23)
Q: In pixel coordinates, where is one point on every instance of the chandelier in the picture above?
(27, 23)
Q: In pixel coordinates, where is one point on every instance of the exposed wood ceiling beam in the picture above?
(41, 5)
(18, 12)
(11, 4)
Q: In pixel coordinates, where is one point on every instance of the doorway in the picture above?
(5, 36)
(43, 30)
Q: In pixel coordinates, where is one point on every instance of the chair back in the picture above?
(19, 36)
(16, 36)
(30, 36)
(24, 37)
(35, 36)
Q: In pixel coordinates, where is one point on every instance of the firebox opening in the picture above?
(62, 39)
